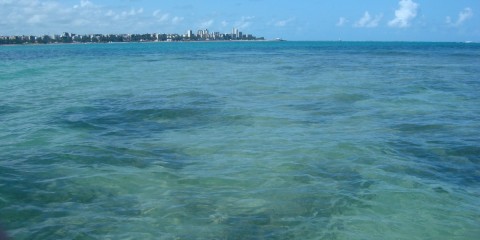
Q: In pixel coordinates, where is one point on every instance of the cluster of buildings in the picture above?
(207, 35)
(201, 35)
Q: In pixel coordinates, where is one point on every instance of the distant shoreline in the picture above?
(201, 36)
(88, 43)
(67, 43)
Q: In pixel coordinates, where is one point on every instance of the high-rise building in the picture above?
(235, 33)
(203, 34)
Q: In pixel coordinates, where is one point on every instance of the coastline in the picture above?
(88, 43)
(202, 35)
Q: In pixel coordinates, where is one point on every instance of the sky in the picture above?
(348, 20)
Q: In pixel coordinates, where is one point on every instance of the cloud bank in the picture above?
(48, 16)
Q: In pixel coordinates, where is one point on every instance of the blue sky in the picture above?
(390, 20)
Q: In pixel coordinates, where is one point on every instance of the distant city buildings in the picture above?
(206, 35)
(202, 35)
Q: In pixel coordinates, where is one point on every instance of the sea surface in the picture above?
(240, 140)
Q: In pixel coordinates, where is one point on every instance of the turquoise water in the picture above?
(257, 140)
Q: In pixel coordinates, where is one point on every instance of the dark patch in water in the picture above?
(6, 109)
(336, 105)
(440, 190)
(257, 226)
(117, 156)
(126, 116)
(107, 129)
(472, 153)
(126, 122)
(153, 60)
(321, 112)
(349, 98)
(419, 128)
(49, 198)
(422, 161)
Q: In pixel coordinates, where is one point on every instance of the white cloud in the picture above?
(283, 23)
(368, 21)
(448, 21)
(341, 22)
(206, 24)
(132, 12)
(124, 14)
(161, 17)
(406, 12)
(244, 22)
(24, 14)
(84, 4)
(464, 15)
(166, 18)
(177, 20)
(110, 13)
(37, 18)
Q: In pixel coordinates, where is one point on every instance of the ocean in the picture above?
(240, 140)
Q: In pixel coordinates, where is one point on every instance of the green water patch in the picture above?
(293, 200)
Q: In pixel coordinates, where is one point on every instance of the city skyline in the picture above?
(399, 20)
(66, 37)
